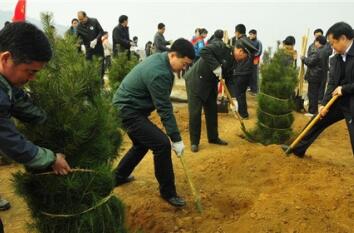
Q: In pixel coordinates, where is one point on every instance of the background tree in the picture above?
(83, 125)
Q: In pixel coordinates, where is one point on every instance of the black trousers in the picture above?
(338, 111)
(323, 87)
(238, 87)
(145, 135)
(1, 227)
(254, 80)
(313, 93)
(195, 106)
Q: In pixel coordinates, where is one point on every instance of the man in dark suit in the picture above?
(341, 83)
(202, 79)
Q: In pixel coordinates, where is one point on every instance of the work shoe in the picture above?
(218, 141)
(4, 204)
(286, 147)
(175, 201)
(194, 148)
(123, 180)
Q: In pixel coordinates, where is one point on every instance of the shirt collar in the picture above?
(5, 86)
(344, 56)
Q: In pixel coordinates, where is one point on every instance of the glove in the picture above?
(93, 44)
(132, 43)
(178, 148)
(217, 71)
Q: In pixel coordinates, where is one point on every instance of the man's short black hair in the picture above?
(253, 31)
(321, 39)
(203, 31)
(25, 42)
(318, 30)
(160, 25)
(6, 23)
(122, 18)
(340, 29)
(73, 20)
(219, 34)
(183, 48)
(240, 28)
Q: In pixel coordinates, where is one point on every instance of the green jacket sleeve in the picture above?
(160, 90)
(43, 159)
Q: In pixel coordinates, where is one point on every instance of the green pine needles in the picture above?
(275, 105)
(121, 66)
(84, 126)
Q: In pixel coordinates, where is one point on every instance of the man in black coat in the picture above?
(120, 36)
(90, 32)
(316, 71)
(202, 79)
(341, 83)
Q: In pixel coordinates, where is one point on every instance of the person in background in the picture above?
(90, 32)
(254, 81)
(120, 37)
(315, 73)
(199, 42)
(159, 39)
(107, 49)
(148, 48)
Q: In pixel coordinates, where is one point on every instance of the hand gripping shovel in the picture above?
(195, 194)
(310, 125)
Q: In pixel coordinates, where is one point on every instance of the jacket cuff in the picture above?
(43, 159)
(345, 89)
(176, 137)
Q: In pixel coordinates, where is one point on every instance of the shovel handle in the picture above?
(312, 123)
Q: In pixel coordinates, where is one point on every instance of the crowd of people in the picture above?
(148, 86)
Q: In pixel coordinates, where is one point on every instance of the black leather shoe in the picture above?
(4, 204)
(194, 148)
(123, 180)
(218, 142)
(175, 201)
(285, 148)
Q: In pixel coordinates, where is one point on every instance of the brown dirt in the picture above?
(244, 187)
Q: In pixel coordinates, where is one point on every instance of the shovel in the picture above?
(310, 125)
(236, 114)
(195, 194)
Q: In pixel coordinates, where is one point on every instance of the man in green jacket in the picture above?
(146, 88)
(24, 50)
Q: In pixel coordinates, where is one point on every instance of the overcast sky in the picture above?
(273, 20)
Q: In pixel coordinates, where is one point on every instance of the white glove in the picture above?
(217, 71)
(93, 44)
(178, 148)
(132, 43)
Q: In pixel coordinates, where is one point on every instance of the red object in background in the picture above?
(20, 11)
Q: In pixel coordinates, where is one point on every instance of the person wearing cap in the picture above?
(238, 80)
(147, 87)
(341, 84)
(20, 60)
(201, 82)
(120, 37)
(315, 73)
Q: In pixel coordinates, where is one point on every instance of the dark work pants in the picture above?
(238, 87)
(1, 227)
(145, 135)
(312, 93)
(195, 105)
(323, 87)
(254, 79)
(337, 112)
